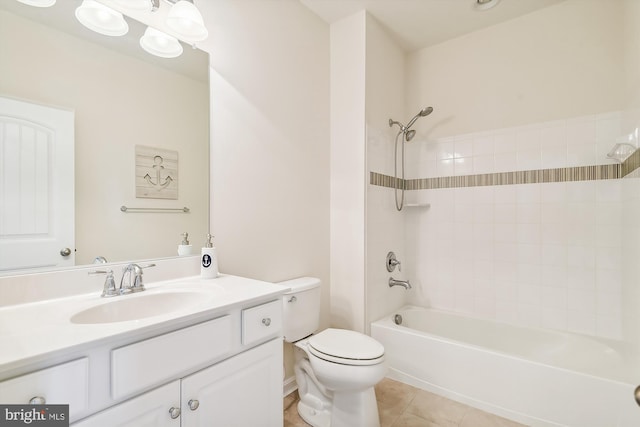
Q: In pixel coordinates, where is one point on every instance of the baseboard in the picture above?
(289, 386)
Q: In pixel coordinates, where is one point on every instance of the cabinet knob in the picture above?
(636, 394)
(266, 321)
(174, 412)
(193, 404)
(37, 400)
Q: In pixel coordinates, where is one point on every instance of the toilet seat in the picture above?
(346, 347)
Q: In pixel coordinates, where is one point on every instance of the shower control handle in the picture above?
(637, 395)
(392, 261)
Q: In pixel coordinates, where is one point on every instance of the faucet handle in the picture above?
(392, 261)
(109, 289)
(137, 277)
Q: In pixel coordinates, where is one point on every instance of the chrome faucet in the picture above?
(404, 283)
(132, 270)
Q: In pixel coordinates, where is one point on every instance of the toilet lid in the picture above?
(347, 347)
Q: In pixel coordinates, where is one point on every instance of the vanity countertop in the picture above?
(31, 332)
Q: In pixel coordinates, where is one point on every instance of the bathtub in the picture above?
(534, 376)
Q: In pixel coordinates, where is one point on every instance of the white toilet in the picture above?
(335, 369)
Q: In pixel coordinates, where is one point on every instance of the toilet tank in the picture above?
(301, 308)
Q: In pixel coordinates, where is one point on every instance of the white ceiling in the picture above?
(419, 23)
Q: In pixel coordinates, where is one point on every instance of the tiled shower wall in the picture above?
(579, 141)
(555, 255)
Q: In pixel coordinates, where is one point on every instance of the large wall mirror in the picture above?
(120, 99)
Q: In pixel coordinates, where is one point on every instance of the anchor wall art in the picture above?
(156, 173)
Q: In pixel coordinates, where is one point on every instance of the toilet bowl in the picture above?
(336, 369)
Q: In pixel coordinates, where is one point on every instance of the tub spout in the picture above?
(404, 283)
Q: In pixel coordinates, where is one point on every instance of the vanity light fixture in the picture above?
(38, 3)
(160, 44)
(183, 20)
(101, 19)
(186, 21)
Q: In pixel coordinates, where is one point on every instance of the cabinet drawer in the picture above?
(147, 363)
(66, 384)
(261, 322)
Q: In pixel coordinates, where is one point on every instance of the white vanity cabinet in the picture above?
(243, 391)
(226, 371)
(212, 357)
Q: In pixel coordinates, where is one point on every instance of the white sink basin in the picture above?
(140, 306)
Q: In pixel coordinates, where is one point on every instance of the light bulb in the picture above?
(38, 3)
(185, 20)
(160, 44)
(101, 19)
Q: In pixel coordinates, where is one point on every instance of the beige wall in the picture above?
(367, 80)
(632, 60)
(270, 141)
(104, 155)
(347, 172)
(554, 63)
(385, 79)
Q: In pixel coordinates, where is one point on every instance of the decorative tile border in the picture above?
(580, 173)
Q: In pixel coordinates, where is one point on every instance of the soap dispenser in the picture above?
(209, 260)
(185, 248)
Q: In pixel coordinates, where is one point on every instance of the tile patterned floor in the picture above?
(401, 405)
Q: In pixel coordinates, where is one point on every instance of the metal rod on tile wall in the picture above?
(154, 210)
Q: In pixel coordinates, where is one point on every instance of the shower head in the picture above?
(408, 133)
(424, 112)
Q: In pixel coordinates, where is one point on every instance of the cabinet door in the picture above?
(151, 409)
(245, 390)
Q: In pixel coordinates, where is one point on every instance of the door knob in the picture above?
(65, 252)
(637, 395)
(174, 412)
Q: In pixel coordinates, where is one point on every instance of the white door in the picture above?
(243, 391)
(36, 186)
